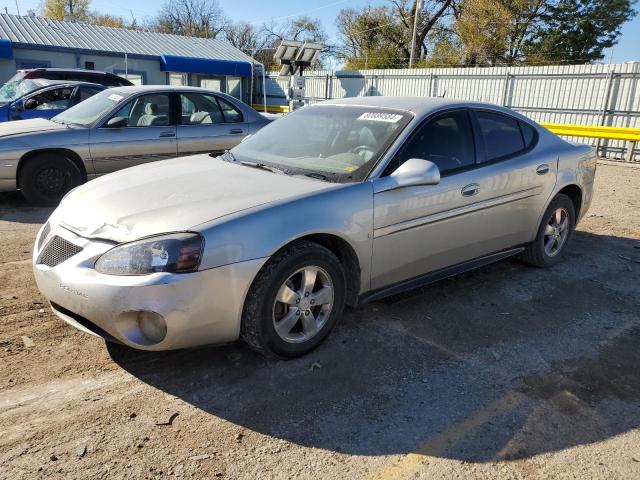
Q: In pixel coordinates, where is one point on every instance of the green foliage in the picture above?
(577, 31)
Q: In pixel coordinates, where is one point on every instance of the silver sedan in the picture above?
(118, 128)
(336, 204)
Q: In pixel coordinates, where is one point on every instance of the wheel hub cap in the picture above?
(303, 304)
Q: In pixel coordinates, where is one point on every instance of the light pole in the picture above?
(413, 35)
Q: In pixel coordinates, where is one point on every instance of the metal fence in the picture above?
(579, 94)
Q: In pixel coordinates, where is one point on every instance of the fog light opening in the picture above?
(152, 326)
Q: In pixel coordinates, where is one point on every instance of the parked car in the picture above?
(63, 74)
(118, 128)
(338, 203)
(47, 98)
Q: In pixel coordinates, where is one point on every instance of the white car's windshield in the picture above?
(332, 142)
(86, 113)
(17, 87)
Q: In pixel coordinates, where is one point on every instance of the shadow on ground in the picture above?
(13, 208)
(504, 362)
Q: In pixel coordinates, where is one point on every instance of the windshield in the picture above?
(86, 113)
(17, 87)
(331, 142)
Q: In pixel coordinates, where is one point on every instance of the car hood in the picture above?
(22, 127)
(172, 195)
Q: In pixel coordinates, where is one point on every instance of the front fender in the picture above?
(345, 211)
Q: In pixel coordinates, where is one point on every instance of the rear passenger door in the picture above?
(149, 135)
(208, 124)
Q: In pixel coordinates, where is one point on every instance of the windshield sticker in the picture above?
(115, 98)
(381, 117)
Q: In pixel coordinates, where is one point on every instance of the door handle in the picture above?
(542, 169)
(236, 130)
(470, 190)
(167, 134)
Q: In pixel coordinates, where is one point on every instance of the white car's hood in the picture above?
(172, 195)
(34, 125)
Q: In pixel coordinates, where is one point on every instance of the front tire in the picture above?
(554, 234)
(294, 301)
(46, 178)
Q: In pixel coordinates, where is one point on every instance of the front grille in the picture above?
(45, 233)
(57, 251)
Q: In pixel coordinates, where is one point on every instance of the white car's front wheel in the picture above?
(295, 300)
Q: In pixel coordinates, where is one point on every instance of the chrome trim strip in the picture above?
(455, 212)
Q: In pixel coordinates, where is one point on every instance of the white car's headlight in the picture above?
(175, 253)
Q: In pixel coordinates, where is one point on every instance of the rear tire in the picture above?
(294, 301)
(46, 178)
(554, 234)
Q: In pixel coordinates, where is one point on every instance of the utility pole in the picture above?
(416, 14)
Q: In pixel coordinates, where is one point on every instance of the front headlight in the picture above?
(175, 253)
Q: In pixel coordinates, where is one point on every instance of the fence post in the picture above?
(326, 87)
(605, 105)
(505, 89)
(630, 148)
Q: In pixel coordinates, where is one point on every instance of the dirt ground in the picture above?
(507, 372)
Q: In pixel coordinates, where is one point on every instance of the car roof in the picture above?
(420, 106)
(133, 89)
(68, 70)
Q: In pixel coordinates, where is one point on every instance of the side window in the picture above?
(56, 99)
(528, 134)
(198, 109)
(447, 141)
(231, 113)
(147, 111)
(501, 134)
(86, 92)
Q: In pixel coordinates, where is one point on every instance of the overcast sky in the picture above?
(260, 11)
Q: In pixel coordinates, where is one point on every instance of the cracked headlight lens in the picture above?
(175, 253)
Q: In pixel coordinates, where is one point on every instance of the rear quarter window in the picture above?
(501, 135)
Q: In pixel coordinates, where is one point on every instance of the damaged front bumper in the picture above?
(160, 311)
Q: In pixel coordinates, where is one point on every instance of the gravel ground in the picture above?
(507, 372)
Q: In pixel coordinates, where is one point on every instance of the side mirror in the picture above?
(117, 122)
(29, 104)
(413, 172)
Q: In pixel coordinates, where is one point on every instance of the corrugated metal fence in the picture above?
(579, 94)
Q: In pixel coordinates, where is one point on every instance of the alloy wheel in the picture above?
(556, 232)
(303, 304)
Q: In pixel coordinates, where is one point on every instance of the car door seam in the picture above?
(455, 212)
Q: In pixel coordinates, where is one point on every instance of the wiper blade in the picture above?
(261, 166)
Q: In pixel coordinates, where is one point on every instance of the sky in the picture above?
(261, 11)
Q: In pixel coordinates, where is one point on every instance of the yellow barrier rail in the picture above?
(271, 108)
(631, 135)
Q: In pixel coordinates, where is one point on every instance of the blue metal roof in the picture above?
(40, 32)
(209, 66)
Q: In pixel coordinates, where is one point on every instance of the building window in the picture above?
(214, 84)
(28, 64)
(234, 87)
(178, 79)
(89, 65)
(135, 77)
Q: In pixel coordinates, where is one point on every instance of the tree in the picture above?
(372, 38)
(578, 31)
(60, 10)
(380, 37)
(195, 18)
(494, 32)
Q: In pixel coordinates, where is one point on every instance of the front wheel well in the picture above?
(68, 154)
(575, 194)
(348, 258)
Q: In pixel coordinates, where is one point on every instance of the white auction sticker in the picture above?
(380, 117)
(115, 98)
